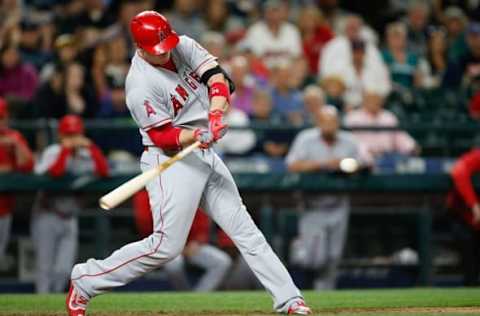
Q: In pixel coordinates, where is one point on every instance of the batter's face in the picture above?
(155, 59)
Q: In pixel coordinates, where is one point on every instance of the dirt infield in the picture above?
(324, 312)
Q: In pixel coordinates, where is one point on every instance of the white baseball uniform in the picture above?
(156, 96)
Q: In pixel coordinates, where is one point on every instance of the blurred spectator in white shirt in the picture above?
(378, 143)
(273, 37)
(355, 61)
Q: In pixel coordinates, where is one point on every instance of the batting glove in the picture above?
(204, 136)
(215, 124)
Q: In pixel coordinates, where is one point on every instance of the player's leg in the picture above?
(65, 254)
(174, 198)
(216, 264)
(5, 226)
(44, 236)
(336, 237)
(224, 204)
(177, 276)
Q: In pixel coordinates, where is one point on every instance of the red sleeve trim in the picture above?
(167, 137)
(100, 161)
(157, 124)
(58, 167)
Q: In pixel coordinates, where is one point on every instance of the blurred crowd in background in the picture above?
(299, 64)
(287, 58)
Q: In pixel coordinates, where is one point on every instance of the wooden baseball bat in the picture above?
(132, 186)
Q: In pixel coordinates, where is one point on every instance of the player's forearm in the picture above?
(186, 137)
(218, 102)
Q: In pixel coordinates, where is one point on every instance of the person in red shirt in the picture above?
(54, 216)
(198, 251)
(464, 201)
(315, 34)
(15, 156)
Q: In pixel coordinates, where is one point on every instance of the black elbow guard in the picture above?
(217, 70)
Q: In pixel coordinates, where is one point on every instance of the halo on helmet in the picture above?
(165, 45)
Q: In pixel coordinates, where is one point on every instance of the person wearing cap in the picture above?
(455, 24)
(273, 37)
(54, 226)
(466, 69)
(34, 46)
(15, 156)
(323, 228)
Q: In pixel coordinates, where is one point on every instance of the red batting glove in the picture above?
(204, 136)
(216, 125)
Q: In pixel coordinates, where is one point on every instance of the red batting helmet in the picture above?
(71, 124)
(3, 108)
(152, 32)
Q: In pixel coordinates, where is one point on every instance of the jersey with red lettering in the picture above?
(157, 95)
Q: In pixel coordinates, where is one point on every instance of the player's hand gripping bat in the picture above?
(134, 185)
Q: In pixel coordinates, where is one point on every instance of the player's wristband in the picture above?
(219, 89)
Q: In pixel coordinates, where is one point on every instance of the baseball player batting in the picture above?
(177, 94)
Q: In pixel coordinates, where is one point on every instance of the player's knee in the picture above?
(223, 262)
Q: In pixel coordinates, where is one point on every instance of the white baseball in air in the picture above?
(348, 165)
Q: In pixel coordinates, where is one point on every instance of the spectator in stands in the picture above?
(273, 37)
(464, 201)
(219, 19)
(78, 93)
(18, 80)
(313, 100)
(286, 100)
(455, 23)
(95, 15)
(315, 34)
(466, 69)
(15, 156)
(244, 84)
(198, 251)
(215, 44)
(403, 64)
(372, 114)
(323, 227)
(355, 61)
(263, 113)
(334, 15)
(435, 64)
(50, 99)
(110, 60)
(35, 43)
(301, 76)
(185, 20)
(10, 17)
(54, 220)
(112, 102)
(66, 52)
(334, 88)
(417, 21)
